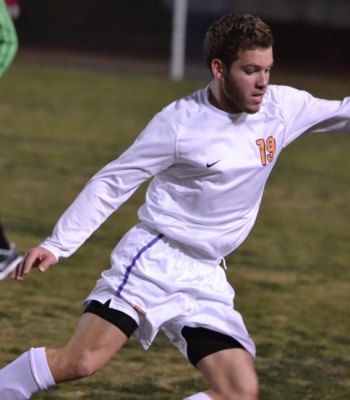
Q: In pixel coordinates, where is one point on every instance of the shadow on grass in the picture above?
(130, 391)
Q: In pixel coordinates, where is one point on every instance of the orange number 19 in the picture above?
(267, 149)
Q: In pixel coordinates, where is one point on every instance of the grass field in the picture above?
(292, 276)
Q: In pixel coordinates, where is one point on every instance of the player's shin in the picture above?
(25, 376)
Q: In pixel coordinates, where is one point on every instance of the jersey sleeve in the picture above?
(153, 151)
(304, 113)
(8, 39)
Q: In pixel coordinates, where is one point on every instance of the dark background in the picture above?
(142, 28)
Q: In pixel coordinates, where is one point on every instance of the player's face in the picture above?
(242, 87)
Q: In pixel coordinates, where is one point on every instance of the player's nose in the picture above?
(263, 79)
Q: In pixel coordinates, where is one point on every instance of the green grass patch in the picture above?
(59, 126)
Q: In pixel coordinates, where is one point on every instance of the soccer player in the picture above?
(9, 256)
(210, 155)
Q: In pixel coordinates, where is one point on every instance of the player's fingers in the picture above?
(46, 263)
(17, 273)
(30, 260)
(37, 257)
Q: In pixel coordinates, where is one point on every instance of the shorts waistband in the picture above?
(195, 254)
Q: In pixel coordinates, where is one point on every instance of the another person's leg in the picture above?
(9, 256)
(96, 339)
(4, 244)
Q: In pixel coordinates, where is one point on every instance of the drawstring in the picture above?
(224, 266)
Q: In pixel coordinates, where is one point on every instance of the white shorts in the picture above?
(163, 286)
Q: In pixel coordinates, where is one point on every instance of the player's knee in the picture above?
(85, 365)
(71, 365)
(67, 364)
(249, 390)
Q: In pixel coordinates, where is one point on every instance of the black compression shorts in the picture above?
(201, 342)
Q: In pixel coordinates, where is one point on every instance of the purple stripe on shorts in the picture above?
(131, 266)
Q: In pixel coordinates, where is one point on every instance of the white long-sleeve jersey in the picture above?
(209, 170)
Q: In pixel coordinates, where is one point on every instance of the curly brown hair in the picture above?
(231, 34)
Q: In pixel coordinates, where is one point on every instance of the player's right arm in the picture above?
(153, 151)
(38, 257)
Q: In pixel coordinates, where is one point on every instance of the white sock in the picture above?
(198, 396)
(40, 368)
(25, 376)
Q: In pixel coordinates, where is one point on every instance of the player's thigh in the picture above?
(96, 335)
(231, 374)
(94, 342)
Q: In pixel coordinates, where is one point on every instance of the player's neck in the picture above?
(218, 100)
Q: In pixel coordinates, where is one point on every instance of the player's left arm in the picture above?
(154, 150)
(338, 120)
(302, 112)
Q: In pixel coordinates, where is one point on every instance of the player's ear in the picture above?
(217, 68)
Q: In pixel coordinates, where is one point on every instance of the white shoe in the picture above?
(9, 259)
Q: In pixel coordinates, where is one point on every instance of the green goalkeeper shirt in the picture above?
(8, 39)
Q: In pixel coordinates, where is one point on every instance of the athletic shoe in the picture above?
(9, 260)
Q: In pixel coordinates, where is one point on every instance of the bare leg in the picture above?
(231, 375)
(92, 345)
(95, 341)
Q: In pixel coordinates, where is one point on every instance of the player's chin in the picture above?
(253, 106)
(252, 109)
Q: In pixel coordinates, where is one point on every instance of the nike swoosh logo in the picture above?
(211, 164)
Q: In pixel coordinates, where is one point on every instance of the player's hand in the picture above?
(37, 257)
